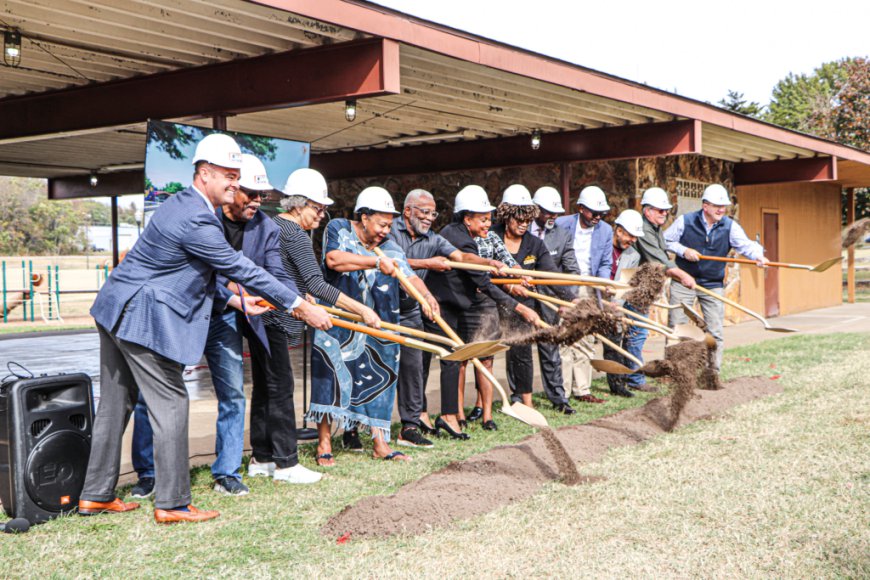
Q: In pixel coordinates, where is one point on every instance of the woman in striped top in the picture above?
(304, 207)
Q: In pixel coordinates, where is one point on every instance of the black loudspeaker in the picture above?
(45, 441)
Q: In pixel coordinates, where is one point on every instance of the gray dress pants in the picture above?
(126, 369)
(713, 311)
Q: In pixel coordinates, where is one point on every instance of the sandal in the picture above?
(394, 456)
(324, 457)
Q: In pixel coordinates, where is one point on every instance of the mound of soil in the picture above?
(506, 474)
(647, 284)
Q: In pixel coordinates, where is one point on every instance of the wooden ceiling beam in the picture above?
(786, 171)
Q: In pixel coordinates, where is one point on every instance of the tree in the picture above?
(173, 187)
(55, 228)
(737, 103)
(172, 138)
(833, 103)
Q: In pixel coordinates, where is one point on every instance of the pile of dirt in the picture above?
(510, 473)
(855, 232)
(647, 284)
(686, 364)
(585, 318)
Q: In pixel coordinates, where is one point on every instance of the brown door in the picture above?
(770, 240)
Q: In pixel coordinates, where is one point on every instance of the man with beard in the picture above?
(591, 238)
(561, 250)
(425, 250)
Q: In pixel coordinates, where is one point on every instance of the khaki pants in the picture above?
(576, 368)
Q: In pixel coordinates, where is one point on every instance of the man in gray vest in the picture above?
(708, 232)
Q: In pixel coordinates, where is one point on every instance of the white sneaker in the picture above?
(297, 474)
(266, 469)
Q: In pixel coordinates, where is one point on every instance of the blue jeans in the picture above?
(631, 340)
(223, 351)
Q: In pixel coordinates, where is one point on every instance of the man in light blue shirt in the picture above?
(708, 232)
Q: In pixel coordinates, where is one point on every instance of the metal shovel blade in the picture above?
(826, 264)
(525, 414)
(693, 315)
(480, 349)
(688, 332)
(610, 367)
(767, 326)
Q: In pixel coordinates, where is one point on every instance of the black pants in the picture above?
(551, 362)
(477, 323)
(411, 389)
(273, 415)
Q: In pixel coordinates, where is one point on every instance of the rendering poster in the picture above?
(170, 147)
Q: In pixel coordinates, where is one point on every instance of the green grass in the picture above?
(11, 328)
(778, 487)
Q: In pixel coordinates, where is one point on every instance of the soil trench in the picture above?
(482, 483)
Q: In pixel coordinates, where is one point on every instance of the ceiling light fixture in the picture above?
(536, 139)
(94, 180)
(350, 110)
(12, 47)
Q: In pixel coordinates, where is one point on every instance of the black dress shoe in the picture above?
(490, 425)
(565, 408)
(621, 391)
(476, 413)
(427, 430)
(442, 424)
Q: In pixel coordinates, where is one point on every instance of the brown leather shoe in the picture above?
(176, 516)
(116, 506)
(590, 399)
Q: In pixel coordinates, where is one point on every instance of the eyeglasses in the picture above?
(253, 194)
(321, 211)
(430, 213)
(523, 222)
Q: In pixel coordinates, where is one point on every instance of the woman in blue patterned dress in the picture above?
(354, 375)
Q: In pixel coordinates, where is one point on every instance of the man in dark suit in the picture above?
(153, 318)
(559, 244)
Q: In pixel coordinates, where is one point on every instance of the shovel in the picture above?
(518, 411)
(821, 267)
(461, 354)
(504, 281)
(682, 334)
(481, 348)
(767, 325)
(580, 280)
(612, 367)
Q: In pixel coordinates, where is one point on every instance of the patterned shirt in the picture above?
(492, 248)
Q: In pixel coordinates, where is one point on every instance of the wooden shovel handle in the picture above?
(508, 281)
(550, 299)
(404, 341)
(538, 274)
(406, 284)
(394, 327)
(753, 262)
(730, 302)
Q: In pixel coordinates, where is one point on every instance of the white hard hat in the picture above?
(376, 199)
(593, 197)
(549, 199)
(656, 197)
(308, 183)
(254, 175)
(517, 194)
(631, 221)
(472, 198)
(716, 194)
(219, 149)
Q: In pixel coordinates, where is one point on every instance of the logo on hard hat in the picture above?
(261, 179)
(235, 157)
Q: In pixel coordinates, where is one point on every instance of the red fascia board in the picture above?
(786, 171)
(386, 23)
(630, 141)
(355, 69)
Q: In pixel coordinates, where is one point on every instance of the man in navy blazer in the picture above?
(252, 232)
(591, 239)
(153, 316)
